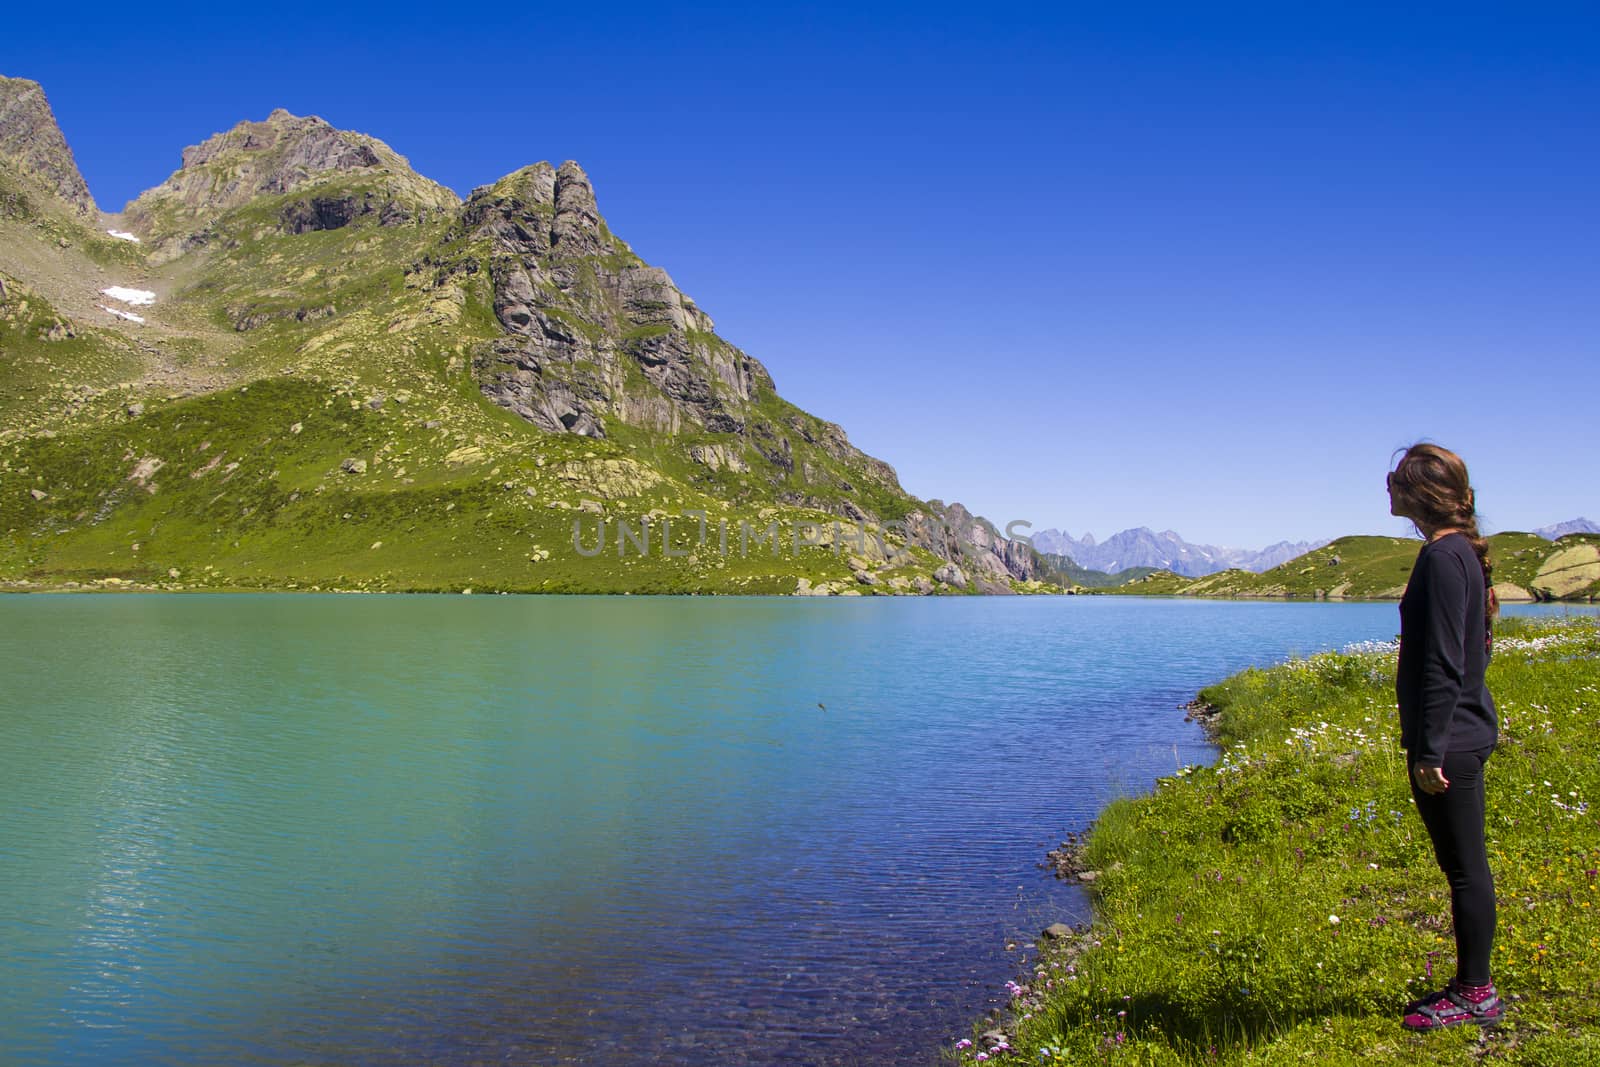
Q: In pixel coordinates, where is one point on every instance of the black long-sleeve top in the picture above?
(1444, 704)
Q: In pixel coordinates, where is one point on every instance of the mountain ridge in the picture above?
(1141, 547)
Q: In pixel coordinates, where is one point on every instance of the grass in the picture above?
(1282, 905)
(250, 493)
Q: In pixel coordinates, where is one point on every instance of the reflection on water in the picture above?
(401, 830)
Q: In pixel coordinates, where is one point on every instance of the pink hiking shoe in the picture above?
(1454, 1005)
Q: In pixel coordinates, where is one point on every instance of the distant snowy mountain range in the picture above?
(1167, 550)
(1561, 529)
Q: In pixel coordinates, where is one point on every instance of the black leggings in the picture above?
(1454, 820)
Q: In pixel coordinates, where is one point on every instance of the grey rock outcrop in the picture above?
(593, 332)
(31, 143)
(954, 533)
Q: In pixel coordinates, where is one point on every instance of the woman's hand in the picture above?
(1431, 780)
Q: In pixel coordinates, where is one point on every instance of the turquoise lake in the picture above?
(301, 829)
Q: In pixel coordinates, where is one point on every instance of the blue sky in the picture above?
(1199, 267)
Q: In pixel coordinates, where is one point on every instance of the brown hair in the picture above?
(1433, 483)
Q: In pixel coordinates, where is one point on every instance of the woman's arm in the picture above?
(1443, 652)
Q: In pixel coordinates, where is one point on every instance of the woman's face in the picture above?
(1396, 499)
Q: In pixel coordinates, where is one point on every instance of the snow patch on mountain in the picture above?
(130, 316)
(136, 297)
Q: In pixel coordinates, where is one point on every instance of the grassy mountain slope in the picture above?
(349, 380)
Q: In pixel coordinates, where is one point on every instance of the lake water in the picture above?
(298, 829)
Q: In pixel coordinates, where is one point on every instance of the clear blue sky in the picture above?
(1191, 266)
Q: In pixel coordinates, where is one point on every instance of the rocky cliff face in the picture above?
(283, 155)
(592, 334)
(31, 144)
(591, 331)
(973, 543)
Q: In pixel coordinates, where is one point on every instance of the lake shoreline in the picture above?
(1279, 849)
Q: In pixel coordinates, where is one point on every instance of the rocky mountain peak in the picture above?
(31, 142)
(282, 154)
(308, 144)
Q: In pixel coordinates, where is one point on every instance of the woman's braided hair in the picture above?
(1434, 483)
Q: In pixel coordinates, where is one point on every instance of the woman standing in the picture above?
(1447, 718)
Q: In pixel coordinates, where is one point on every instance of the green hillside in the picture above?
(1064, 571)
(1526, 567)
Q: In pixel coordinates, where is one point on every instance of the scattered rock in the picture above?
(951, 575)
(1507, 593)
(296, 428)
(38, 494)
(1057, 931)
(1568, 571)
(1066, 859)
(145, 469)
(135, 409)
(354, 466)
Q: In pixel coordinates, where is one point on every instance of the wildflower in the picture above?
(965, 1042)
(1334, 919)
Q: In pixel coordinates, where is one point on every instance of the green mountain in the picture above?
(297, 363)
(1526, 567)
(1064, 571)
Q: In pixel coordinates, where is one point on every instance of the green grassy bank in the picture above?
(1283, 905)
